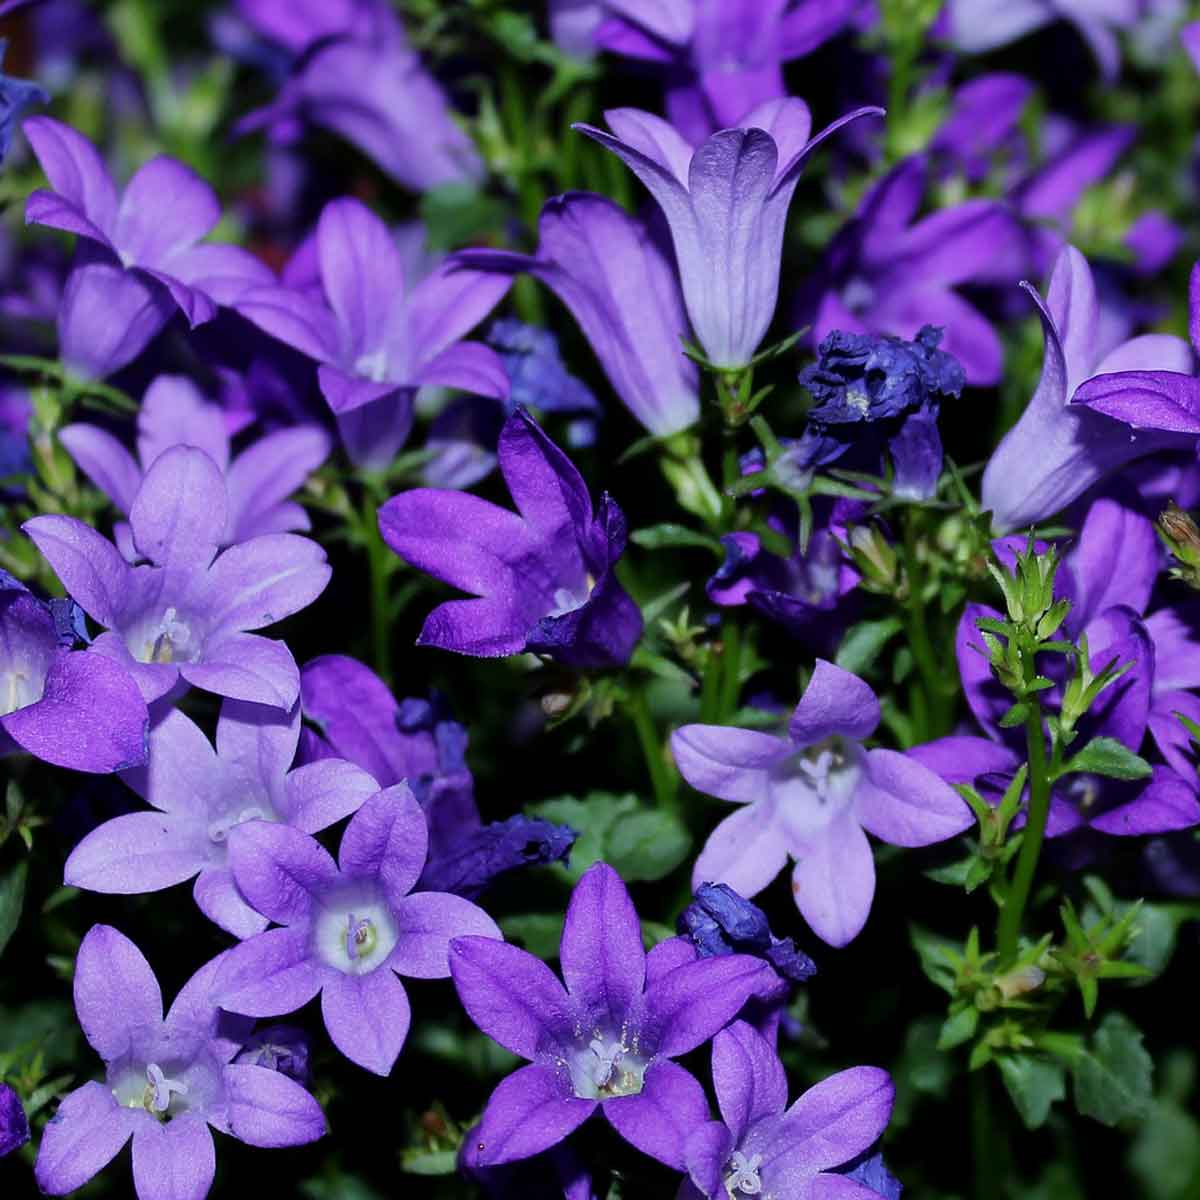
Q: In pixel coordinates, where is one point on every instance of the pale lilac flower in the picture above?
(153, 228)
(726, 203)
(201, 795)
(64, 706)
(814, 795)
(763, 1147)
(607, 1039)
(183, 613)
(377, 336)
(174, 412)
(1059, 449)
(543, 578)
(166, 1081)
(347, 928)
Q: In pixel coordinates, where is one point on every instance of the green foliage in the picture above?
(1034, 1083)
(1114, 1078)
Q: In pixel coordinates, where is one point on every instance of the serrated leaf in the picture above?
(1106, 756)
(863, 642)
(1114, 1078)
(1034, 1084)
(12, 897)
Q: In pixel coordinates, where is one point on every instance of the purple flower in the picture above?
(887, 272)
(166, 1081)
(16, 95)
(726, 204)
(282, 1048)
(153, 228)
(184, 612)
(812, 795)
(1059, 449)
(201, 795)
(377, 340)
(606, 1040)
(984, 118)
(537, 376)
(543, 579)
(620, 286)
(14, 1125)
(64, 706)
(763, 1147)
(347, 928)
(299, 24)
(721, 58)
(174, 412)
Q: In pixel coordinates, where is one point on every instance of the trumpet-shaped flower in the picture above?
(726, 204)
(167, 1080)
(183, 613)
(814, 795)
(606, 1040)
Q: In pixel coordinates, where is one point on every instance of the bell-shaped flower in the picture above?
(167, 1080)
(1059, 449)
(543, 576)
(620, 286)
(726, 204)
(763, 1147)
(14, 1124)
(377, 340)
(174, 412)
(64, 706)
(153, 228)
(814, 795)
(183, 612)
(201, 795)
(346, 929)
(606, 1040)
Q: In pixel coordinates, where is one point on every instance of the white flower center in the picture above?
(813, 786)
(606, 1067)
(156, 1092)
(567, 600)
(170, 640)
(355, 930)
(373, 366)
(18, 689)
(742, 1174)
(220, 827)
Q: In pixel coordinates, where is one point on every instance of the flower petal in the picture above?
(279, 870)
(387, 839)
(320, 794)
(746, 851)
(218, 898)
(749, 1079)
(903, 802)
(367, 1017)
(104, 461)
(661, 1117)
(269, 974)
(88, 565)
(427, 922)
(259, 582)
(137, 853)
(530, 1111)
(174, 1161)
(268, 1109)
(724, 761)
(116, 994)
(178, 514)
(835, 703)
(86, 1133)
(833, 882)
(244, 666)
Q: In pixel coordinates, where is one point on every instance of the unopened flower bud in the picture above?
(1182, 537)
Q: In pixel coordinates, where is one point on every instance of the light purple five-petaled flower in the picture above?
(166, 1081)
(726, 204)
(607, 1039)
(184, 611)
(761, 1147)
(346, 928)
(202, 795)
(812, 795)
(543, 577)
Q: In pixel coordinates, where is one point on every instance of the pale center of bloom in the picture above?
(220, 827)
(373, 366)
(18, 689)
(816, 784)
(606, 1067)
(156, 1092)
(742, 1174)
(167, 640)
(355, 930)
(567, 600)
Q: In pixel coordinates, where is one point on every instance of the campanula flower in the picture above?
(606, 1040)
(814, 795)
(16, 95)
(166, 1081)
(14, 1125)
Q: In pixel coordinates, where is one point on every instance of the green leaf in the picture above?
(1034, 1084)
(670, 535)
(958, 1028)
(1114, 1079)
(429, 1162)
(863, 642)
(1106, 756)
(12, 896)
(539, 933)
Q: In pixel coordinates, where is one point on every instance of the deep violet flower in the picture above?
(763, 1147)
(153, 228)
(418, 742)
(721, 58)
(347, 928)
(16, 95)
(174, 412)
(726, 204)
(814, 795)
(604, 1041)
(282, 1048)
(64, 706)
(544, 577)
(377, 338)
(184, 612)
(889, 272)
(201, 795)
(537, 376)
(1059, 449)
(620, 286)
(14, 1125)
(166, 1081)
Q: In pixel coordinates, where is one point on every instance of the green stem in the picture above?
(710, 687)
(731, 663)
(379, 566)
(939, 703)
(1009, 930)
(661, 778)
(983, 1144)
